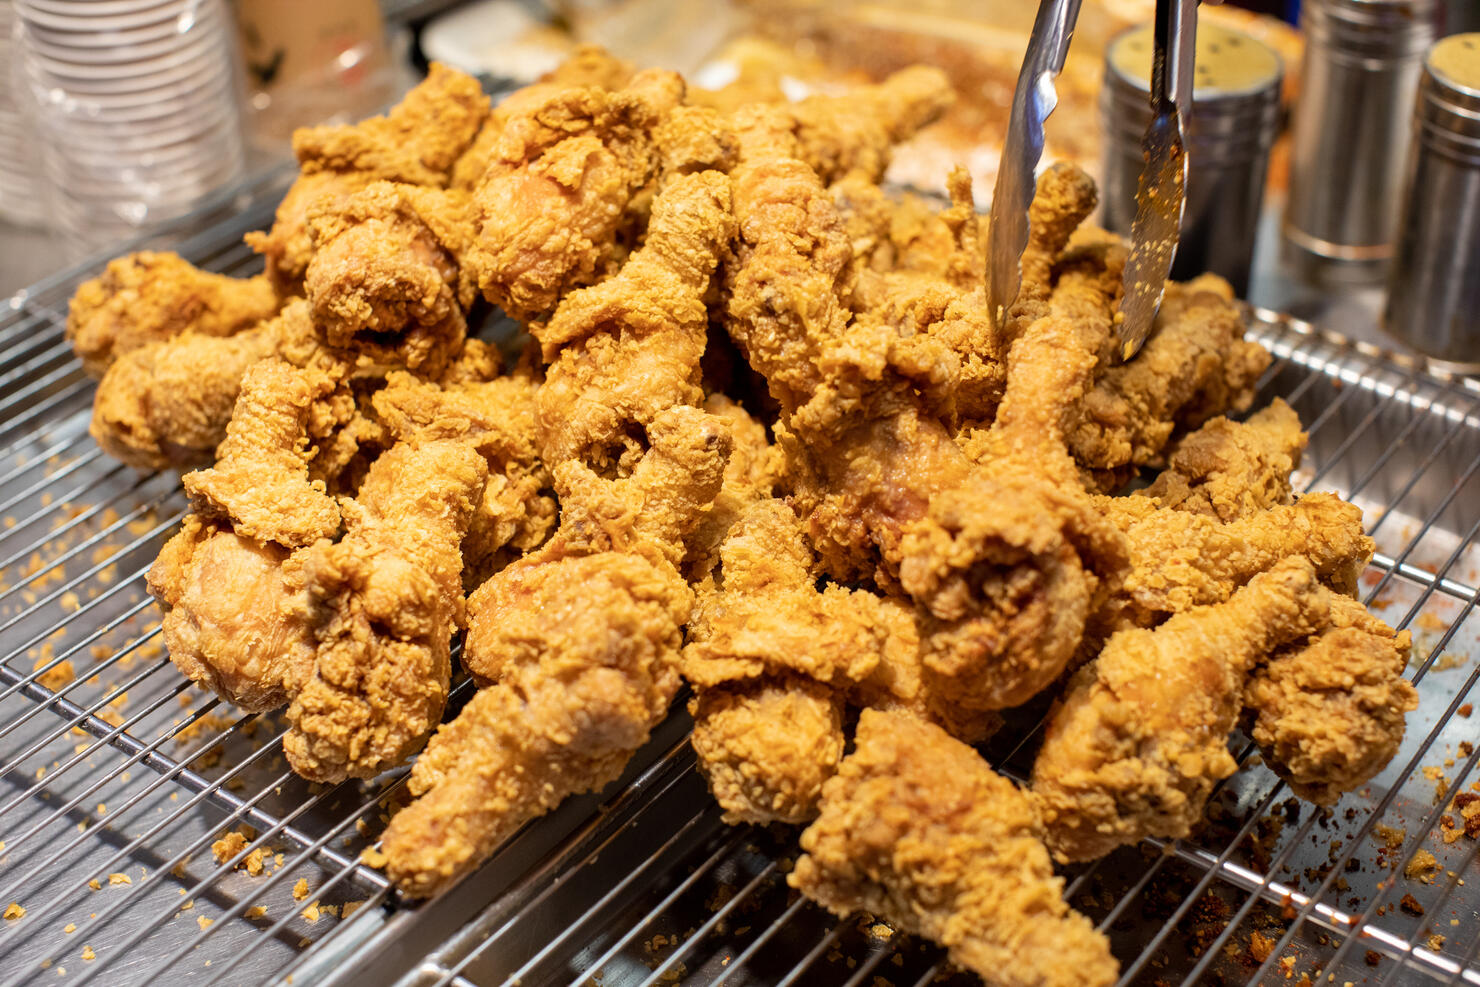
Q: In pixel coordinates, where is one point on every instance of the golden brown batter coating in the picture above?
(917, 829)
(1140, 739)
(387, 598)
(1328, 714)
(150, 297)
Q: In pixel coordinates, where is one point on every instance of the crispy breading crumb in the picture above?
(1260, 946)
(311, 912)
(203, 922)
(14, 911)
(119, 878)
(300, 890)
(257, 911)
(1410, 905)
(88, 954)
(1421, 867)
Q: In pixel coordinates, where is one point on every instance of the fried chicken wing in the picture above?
(1137, 744)
(575, 680)
(260, 477)
(1195, 365)
(418, 142)
(856, 131)
(236, 547)
(150, 297)
(916, 828)
(1328, 714)
(387, 597)
(496, 414)
(624, 350)
(556, 189)
(1230, 470)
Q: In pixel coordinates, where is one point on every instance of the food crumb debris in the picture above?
(372, 857)
(95, 884)
(188, 905)
(88, 954)
(1421, 867)
(1260, 947)
(253, 863)
(300, 890)
(119, 878)
(70, 928)
(229, 845)
(203, 922)
(1410, 905)
(1429, 622)
(55, 678)
(1435, 942)
(1466, 710)
(350, 907)
(14, 911)
(257, 911)
(1448, 660)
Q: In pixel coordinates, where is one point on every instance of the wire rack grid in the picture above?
(149, 831)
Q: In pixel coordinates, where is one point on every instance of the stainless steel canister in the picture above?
(1350, 133)
(1434, 286)
(1235, 118)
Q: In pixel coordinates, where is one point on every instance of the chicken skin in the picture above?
(574, 682)
(387, 598)
(1328, 713)
(384, 277)
(418, 142)
(236, 547)
(1138, 742)
(624, 350)
(916, 828)
(151, 297)
(1230, 470)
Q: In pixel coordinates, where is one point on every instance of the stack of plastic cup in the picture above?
(137, 106)
(22, 192)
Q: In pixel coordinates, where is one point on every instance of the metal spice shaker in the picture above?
(1434, 285)
(1235, 119)
(1350, 133)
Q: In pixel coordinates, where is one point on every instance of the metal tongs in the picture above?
(1160, 194)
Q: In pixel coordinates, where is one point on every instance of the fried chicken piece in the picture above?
(577, 679)
(857, 130)
(1229, 470)
(387, 597)
(1328, 714)
(255, 656)
(496, 414)
(260, 478)
(557, 187)
(1196, 364)
(589, 65)
(766, 747)
(250, 511)
(1137, 744)
(150, 297)
(418, 142)
(1008, 565)
(917, 829)
(167, 404)
(384, 277)
(771, 659)
(756, 471)
(1180, 559)
(628, 348)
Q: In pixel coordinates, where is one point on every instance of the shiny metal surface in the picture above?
(1434, 286)
(1161, 189)
(1236, 116)
(642, 883)
(1350, 132)
(1032, 102)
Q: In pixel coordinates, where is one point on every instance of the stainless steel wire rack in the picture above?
(120, 783)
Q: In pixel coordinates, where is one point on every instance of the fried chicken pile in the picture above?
(762, 438)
